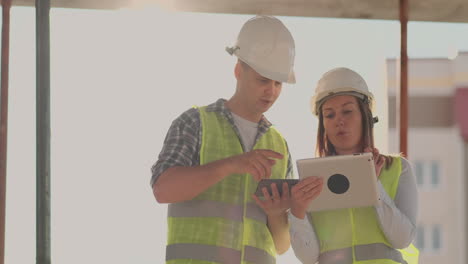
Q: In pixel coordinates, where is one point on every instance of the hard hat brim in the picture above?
(317, 100)
(275, 76)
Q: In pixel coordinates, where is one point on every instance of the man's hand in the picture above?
(303, 193)
(274, 205)
(257, 163)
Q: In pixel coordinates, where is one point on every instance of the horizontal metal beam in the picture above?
(419, 10)
(80, 4)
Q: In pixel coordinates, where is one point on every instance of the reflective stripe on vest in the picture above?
(361, 253)
(217, 254)
(207, 208)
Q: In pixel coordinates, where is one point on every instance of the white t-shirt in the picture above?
(247, 129)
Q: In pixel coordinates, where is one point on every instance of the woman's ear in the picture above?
(238, 70)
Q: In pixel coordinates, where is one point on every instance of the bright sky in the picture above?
(118, 80)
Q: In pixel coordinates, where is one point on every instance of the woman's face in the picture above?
(342, 120)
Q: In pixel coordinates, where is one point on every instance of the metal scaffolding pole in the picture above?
(403, 95)
(42, 132)
(6, 4)
(465, 180)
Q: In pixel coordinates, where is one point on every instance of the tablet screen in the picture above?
(279, 185)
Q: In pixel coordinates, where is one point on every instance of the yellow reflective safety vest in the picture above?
(353, 236)
(224, 224)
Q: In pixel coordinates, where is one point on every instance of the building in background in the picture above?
(437, 150)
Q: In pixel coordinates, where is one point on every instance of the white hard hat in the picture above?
(266, 45)
(340, 81)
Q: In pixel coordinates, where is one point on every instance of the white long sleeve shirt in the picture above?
(397, 219)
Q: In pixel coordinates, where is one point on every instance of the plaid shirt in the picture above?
(183, 140)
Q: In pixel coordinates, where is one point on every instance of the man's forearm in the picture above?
(279, 229)
(178, 184)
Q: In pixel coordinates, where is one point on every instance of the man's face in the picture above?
(257, 92)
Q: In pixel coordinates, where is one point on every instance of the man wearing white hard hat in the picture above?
(213, 157)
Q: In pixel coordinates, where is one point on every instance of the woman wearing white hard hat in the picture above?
(343, 104)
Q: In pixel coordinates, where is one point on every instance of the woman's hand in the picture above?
(303, 193)
(379, 160)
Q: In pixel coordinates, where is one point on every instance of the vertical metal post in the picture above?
(403, 95)
(6, 4)
(465, 179)
(42, 132)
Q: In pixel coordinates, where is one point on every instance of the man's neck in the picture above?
(239, 109)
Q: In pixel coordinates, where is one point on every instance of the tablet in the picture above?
(279, 185)
(349, 181)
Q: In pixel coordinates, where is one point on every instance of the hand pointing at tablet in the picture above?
(257, 163)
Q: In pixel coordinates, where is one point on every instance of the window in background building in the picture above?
(436, 238)
(418, 170)
(429, 238)
(427, 173)
(434, 173)
(420, 238)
